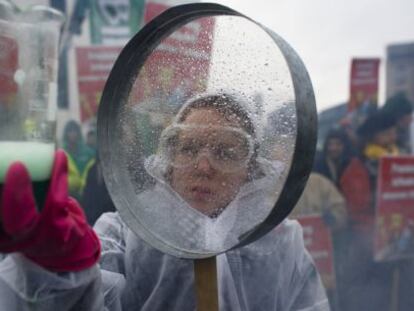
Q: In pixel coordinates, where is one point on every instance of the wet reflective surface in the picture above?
(206, 135)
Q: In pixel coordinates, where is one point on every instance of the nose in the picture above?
(203, 163)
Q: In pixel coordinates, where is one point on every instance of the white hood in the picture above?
(172, 220)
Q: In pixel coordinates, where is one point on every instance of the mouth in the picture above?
(201, 193)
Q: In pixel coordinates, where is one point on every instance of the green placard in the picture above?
(114, 22)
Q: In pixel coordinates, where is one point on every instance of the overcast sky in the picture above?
(328, 34)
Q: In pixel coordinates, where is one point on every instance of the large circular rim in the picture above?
(118, 85)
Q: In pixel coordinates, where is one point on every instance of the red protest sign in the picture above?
(364, 82)
(394, 226)
(8, 67)
(318, 242)
(94, 64)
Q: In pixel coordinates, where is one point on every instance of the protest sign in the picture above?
(394, 230)
(8, 67)
(93, 66)
(400, 70)
(364, 83)
(318, 242)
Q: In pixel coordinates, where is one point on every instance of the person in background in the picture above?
(340, 163)
(321, 197)
(400, 109)
(358, 182)
(378, 139)
(95, 198)
(336, 155)
(80, 157)
(91, 139)
(368, 282)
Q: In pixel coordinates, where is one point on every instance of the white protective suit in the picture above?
(273, 273)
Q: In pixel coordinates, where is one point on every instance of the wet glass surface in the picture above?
(207, 135)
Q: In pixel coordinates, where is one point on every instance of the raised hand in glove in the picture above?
(59, 237)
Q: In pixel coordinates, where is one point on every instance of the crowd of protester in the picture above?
(343, 189)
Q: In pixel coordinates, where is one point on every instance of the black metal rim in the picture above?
(118, 86)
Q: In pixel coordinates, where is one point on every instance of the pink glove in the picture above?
(58, 238)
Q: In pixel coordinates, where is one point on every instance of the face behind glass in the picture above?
(204, 187)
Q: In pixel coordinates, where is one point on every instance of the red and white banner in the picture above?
(394, 234)
(318, 242)
(364, 82)
(94, 64)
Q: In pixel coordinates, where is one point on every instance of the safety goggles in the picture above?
(227, 149)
